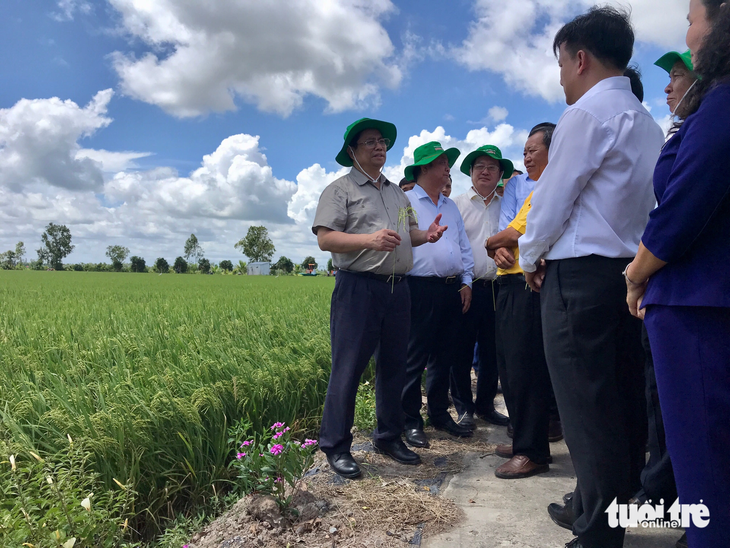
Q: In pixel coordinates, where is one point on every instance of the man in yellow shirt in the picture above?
(520, 355)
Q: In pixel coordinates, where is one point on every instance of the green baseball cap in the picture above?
(668, 60)
(491, 151)
(386, 129)
(425, 154)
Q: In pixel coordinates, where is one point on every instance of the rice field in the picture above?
(149, 372)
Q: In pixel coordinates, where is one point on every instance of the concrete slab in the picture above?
(513, 513)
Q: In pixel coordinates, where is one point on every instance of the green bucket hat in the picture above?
(668, 60)
(491, 151)
(425, 154)
(386, 129)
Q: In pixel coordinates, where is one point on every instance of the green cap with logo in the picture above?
(386, 129)
(425, 154)
(493, 152)
(668, 60)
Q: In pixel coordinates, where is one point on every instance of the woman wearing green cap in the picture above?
(681, 79)
(679, 281)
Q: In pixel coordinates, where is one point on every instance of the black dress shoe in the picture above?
(568, 499)
(448, 425)
(495, 417)
(575, 543)
(397, 451)
(416, 437)
(561, 515)
(344, 465)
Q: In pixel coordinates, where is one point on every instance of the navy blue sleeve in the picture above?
(698, 182)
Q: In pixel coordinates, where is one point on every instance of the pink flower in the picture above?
(278, 435)
(247, 442)
(261, 454)
(276, 449)
(277, 480)
(309, 443)
(277, 425)
(239, 456)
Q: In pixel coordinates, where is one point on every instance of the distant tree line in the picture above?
(256, 245)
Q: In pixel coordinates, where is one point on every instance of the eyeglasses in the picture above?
(370, 143)
(491, 168)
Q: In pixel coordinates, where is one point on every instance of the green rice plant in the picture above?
(149, 372)
(365, 419)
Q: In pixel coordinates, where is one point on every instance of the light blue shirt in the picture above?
(451, 255)
(516, 192)
(595, 194)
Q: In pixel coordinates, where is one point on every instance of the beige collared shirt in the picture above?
(354, 205)
(480, 222)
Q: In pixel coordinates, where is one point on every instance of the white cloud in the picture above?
(498, 114)
(274, 54)
(39, 142)
(112, 162)
(67, 9)
(514, 39)
(310, 184)
(154, 211)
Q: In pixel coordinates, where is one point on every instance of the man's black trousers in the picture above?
(477, 326)
(435, 320)
(596, 363)
(366, 314)
(523, 368)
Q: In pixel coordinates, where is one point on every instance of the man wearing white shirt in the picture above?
(480, 209)
(589, 210)
(440, 284)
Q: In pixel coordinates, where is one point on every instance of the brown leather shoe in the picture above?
(555, 431)
(505, 451)
(520, 466)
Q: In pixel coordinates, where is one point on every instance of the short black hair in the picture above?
(404, 182)
(547, 129)
(605, 32)
(634, 75)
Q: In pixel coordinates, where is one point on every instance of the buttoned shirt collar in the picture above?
(361, 179)
(421, 194)
(474, 194)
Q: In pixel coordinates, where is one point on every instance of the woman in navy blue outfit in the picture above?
(679, 281)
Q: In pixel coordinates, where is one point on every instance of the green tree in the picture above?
(138, 264)
(330, 266)
(204, 265)
(309, 263)
(226, 265)
(257, 245)
(19, 252)
(117, 253)
(180, 266)
(284, 264)
(56, 245)
(8, 260)
(162, 266)
(193, 250)
(240, 268)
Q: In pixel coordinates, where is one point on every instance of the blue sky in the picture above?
(137, 122)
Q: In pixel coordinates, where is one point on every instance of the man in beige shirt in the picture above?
(365, 221)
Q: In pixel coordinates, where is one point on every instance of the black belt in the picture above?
(511, 279)
(388, 278)
(482, 282)
(448, 280)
